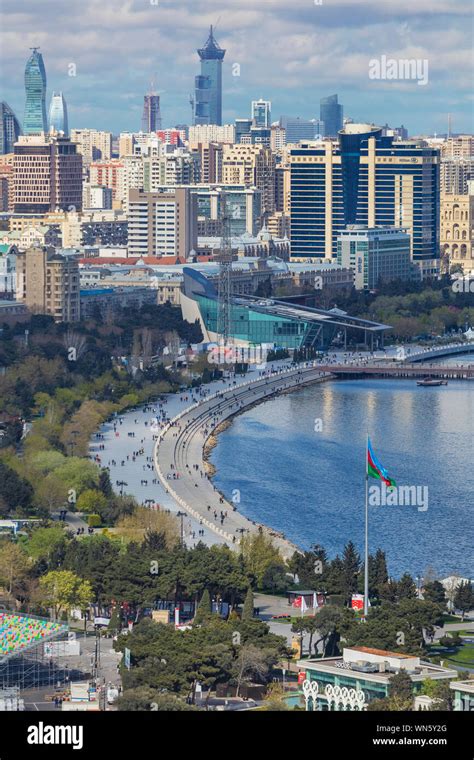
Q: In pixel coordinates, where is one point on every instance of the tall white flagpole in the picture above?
(366, 556)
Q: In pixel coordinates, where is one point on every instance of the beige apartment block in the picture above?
(162, 223)
(92, 144)
(251, 165)
(49, 284)
(457, 229)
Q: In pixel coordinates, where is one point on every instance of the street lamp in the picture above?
(121, 483)
(181, 515)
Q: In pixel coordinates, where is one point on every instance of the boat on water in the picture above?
(431, 382)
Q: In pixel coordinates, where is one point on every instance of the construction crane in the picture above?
(191, 103)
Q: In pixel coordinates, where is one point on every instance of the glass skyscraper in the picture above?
(366, 179)
(330, 112)
(261, 113)
(208, 84)
(9, 129)
(35, 86)
(151, 118)
(58, 113)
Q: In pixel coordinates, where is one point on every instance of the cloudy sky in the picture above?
(292, 52)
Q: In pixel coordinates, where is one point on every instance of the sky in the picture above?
(104, 54)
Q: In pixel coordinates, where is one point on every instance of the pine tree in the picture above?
(247, 611)
(406, 588)
(204, 610)
(464, 598)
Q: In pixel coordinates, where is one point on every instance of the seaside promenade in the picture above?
(181, 449)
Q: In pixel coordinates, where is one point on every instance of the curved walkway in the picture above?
(179, 453)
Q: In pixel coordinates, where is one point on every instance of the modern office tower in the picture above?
(9, 128)
(162, 224)
(92, 144)
(297, 129)
(375, 254)
(330, 112)
(261, 136)
(242, 128)
(48, 283)
(35, 120)
(108, 174)
(208, 84)
(457, 228)
(58, 114)
(367, 179)
(252, 166)
(277, 137)
(261, 113)
(203, 133)
(47, 171)
(151, 118)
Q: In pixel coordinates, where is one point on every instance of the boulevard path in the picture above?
(126, 445)
(180, 450)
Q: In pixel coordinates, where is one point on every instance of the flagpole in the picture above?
(366, 554)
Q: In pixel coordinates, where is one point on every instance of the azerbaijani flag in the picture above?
(375, 469)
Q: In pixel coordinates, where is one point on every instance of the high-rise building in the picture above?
(242, 128)
(331, 113)
(162, 224)
(224, 133)
(108, 174)
(58, 114)
(151, 118)
(9, 128)
(48, 283)
(35, 120)
(252, 166)
(277, 137)
(367, 179)
(208, 84)
(92, 144)
(47, 173)
(261, 113)
(375, 254)
(297, 129)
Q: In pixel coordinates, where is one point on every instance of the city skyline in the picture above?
(310, 51)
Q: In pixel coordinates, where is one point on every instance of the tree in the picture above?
(259, 551)
(91, 501)
(63, 590)
(275, 699)
(328, 623)
(14, 565)
(350, 570)
(406, 588)
(204, 612)
(251, 663)
(400, 691)
(135, 526)
(464, 598)
(144, 699)
(434, 592)
(247, 611)
(44, 542)
(15, 491)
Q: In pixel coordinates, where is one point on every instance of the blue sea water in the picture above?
(298, 462)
